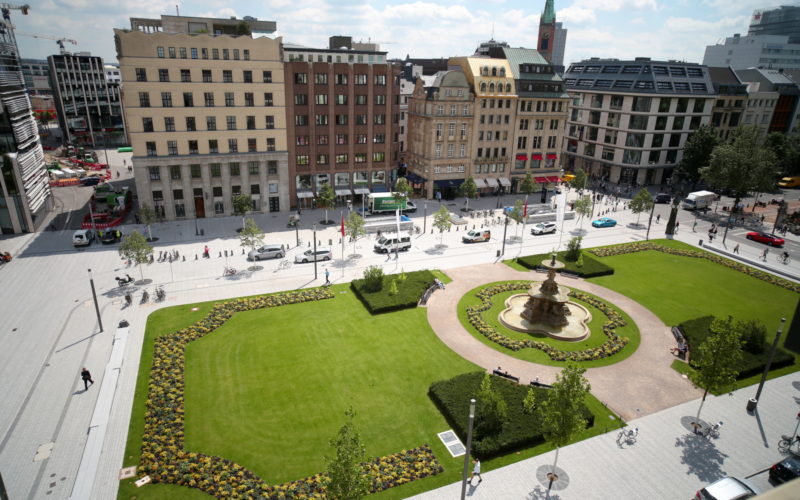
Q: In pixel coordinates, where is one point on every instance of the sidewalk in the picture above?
(666, 461)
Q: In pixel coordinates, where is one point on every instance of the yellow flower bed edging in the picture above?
(165, 459)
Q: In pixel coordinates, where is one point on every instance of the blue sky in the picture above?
(660, 29)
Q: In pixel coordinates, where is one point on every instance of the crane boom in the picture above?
(48, 37)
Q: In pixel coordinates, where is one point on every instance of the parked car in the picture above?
(109, 236)
(663, 198)
(267, 252)
(91, 181)
(393, 242)
(765, 238)
(604, 222)
(785, 470)
(728, 488)
(310, 256)
(544, 228)
(83, 237)
(476, 236)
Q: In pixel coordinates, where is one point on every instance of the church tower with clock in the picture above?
(552, 37)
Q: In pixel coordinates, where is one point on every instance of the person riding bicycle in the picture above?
(785, 256)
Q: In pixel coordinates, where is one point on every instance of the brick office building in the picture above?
(342, 112)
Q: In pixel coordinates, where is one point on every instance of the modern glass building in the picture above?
(784, 20)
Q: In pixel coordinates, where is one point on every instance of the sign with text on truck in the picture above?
(378, 203)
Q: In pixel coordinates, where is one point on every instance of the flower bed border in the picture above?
(613, 345)
(625, 248)
(165, 459)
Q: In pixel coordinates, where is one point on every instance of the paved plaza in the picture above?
(50, 331)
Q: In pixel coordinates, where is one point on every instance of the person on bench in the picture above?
(680, 350)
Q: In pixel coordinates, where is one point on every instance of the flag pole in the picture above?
(342, 231)
(524, 220)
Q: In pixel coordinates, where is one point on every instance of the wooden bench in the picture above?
(505, 375)
(680, 338)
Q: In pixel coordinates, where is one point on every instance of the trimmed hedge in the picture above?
(696, 330)
(408, 293)
(590, 269)
(520, 429)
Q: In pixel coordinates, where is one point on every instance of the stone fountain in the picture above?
(547, 310)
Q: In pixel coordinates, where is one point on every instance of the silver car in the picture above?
(544, 228)
(267, 252)
(310, 256)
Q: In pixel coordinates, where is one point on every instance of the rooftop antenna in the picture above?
(492, 30)
(177, 12)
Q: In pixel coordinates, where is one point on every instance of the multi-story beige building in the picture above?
(440, 122)
(206, 120)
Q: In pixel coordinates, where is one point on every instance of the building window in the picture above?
(216, 191)
(361, 79)
(216, 170)
(251, 122)
(341, 119)
(438, 152)
(208, 99)
(190, 124)
(322, 159)
(379, 138)
(227, 76)
(270, 122)
(188, 99)
(361, 119)
(340, 79)
(247, 76)
(380, 99)
(204, 53)
(321, 119)
(213, 147)
(301, 120)
(251, 145)
(272, 167)
(193, 148)
(360, 158)
(321, 78)
(341, 99)
(230, 121)
(172, 147)
(253, 167)
(341, 158)
(194, 53)
(147, 124)
(219, 206)
(380, 119)
(322, 140)
(380, 79)
(233, 146)
(160, 51)
(378, 157)
(341, 139)
(211, 123)
(225, 54)
(233, 169)
(186, 75)
(321, 99)
(267, 76)
(300, 78)
(229, 99)
(248, 99)
(169, 124)
(214, 53)
(301, 160)
(141, 75)
(361, 100)
(172, 52)
(151, 149)
(144, 99)
(207, 76)
(246, 54)
(195, 171)
(641, 104)
(267, 98)
(154, 173)
(270, 144)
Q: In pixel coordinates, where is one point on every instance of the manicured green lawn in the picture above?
(596, 338)
(679, 288)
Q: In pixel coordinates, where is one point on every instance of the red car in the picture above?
(765, 238)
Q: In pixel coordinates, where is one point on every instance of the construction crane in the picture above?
(6, 9)
(59, 41)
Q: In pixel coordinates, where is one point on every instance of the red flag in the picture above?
(342, 226)
(525, 209)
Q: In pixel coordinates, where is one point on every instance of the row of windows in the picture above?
(338, 99)
(664, 86)
(341, 139)
(215, 53)
(378, 119)
(209, 99)
(536, 142)
(324, 159)
(538, 124)
(491, 87)
(213, 146)
(215, 170)
(448, 169)
(520, 164)
(211, 123)
(357, 58)
(338, 79)
(637, 122)
(451, 151)
(528, 105)
(643, 104)
(342, 179)
(487, 168)
(206, 76)
(683, 71)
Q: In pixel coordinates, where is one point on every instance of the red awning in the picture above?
(522, 157)
(551, 156)
(536, 156)
(553, 178)
(540, 180)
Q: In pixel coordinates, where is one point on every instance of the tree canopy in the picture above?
(528, 185)
(718, 358)
(641, 202)
(251, 235)
(147, 216)
(136, 248)
(579, 181)
(346, 476)
(441, 221)
(697, 152)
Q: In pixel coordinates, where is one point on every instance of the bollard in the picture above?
(202, 232)
(195, 256)
(220, 254)
(330, 242)
(309, 244)
(700, 243)
(242, 251)
(184, 258)
(226, 253)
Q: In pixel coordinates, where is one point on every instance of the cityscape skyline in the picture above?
(621, 29)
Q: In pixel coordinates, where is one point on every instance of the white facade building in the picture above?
(763, 51)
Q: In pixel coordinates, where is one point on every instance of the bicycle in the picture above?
(627, 436)
(712, 430)
(284, 264)
(786, 443)
(229, 271)
(783, 258)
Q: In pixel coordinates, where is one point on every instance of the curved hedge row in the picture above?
(732, 264)
(165, 459)
(613, 345)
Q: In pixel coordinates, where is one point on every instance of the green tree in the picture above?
(641, 202)
(346, 476)
(134, 247)
(573, 252)
(148, 216)
(528, 185)
(516, 214)
(243, 28)
(441, 221)
(718, 358)
(373, 279)
(402, 189)
(561, 413)
(743, 165)
(580, 179)
(241, 205)
(754, 335)
(697, 153)
(354, 228)
(251, 235)
(491, 410)
(531, 402)
(786, 148)
(583, 208)
(468, 189)
(393, 287)
(326, 198)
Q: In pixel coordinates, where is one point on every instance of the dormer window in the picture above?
(502, 72)
(494, 71)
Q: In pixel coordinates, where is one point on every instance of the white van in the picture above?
(388, 242)
(82, 237)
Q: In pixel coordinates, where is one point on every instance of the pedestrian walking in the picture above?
(658, 218)
(677, 225)
(694, 227)
(205, 252)
(476, 471)
(736, 248)
(327, 276)
(764, 254)
(87, 378)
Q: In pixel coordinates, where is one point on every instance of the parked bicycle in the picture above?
(229, 271)
(627, 436)
(145, 297)
(284, 264)
(712, 431)
(160, 294)
(787, 442)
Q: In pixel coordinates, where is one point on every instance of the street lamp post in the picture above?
(314, 227)
(753, 402)
(94, 297)
(469, 446)
(650, 221)
(505, 228)
(424, 218)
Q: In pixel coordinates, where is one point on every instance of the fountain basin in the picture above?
(575, 330)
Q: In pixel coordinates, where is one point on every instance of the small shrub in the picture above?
(579, 262)
(591, 268)
(491, 410)
(530, 402)
(409, 291)
(573, 249)
(393, 287)
(754, 336)
(373, 279)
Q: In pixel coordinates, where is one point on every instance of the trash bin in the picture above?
(498, 253)
(751, 404)
(700, 243)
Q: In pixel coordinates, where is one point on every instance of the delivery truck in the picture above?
(385, 203)
(698, 200)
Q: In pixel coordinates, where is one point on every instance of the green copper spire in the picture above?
(549, 14)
